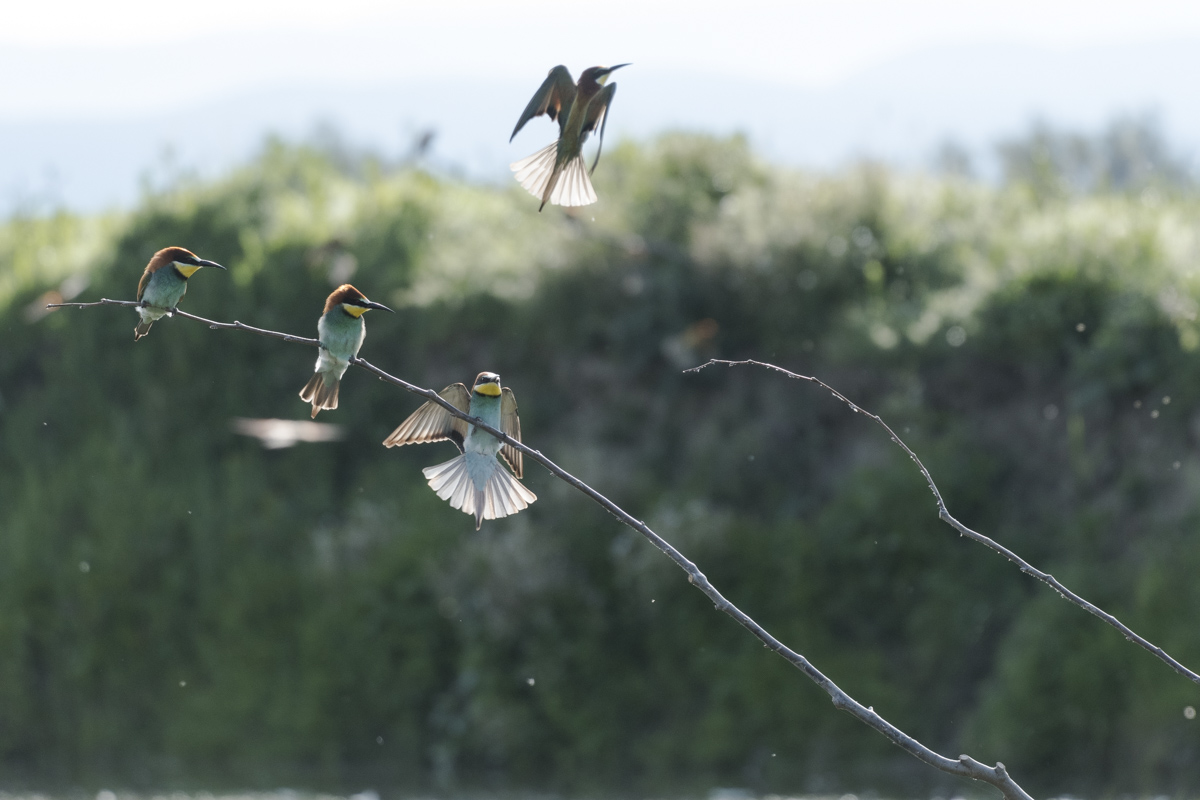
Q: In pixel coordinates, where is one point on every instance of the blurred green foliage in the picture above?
(179, 605)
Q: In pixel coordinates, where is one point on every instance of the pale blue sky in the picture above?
(119, 56)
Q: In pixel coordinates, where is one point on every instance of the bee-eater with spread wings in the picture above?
(557, 173)
(474, 481)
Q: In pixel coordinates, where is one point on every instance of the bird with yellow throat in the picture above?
(164, 283)
(473, 482)
(341, 331)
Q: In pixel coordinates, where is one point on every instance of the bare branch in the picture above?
(944, 516)
(963, 766)
(240, 326)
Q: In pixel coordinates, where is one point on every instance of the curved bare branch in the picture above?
(991, 544)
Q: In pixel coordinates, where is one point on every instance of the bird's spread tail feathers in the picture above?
(322, 391)
(535, 172)
(501, 495)
(569, 186)
(574, 185)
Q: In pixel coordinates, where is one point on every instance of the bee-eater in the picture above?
(557, 173)
(473, 481)
(164, 283)
(341, 330)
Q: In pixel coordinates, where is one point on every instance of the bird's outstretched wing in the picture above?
(511, 425)
(597, 114)
(553, 99)
(432, 423)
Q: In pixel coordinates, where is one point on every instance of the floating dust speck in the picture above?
(1081, 327)
(1189, 712)
(530, 681)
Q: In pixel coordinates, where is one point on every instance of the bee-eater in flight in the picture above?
(474, 481)
(164, 283)
(557, 173)
(341, 330)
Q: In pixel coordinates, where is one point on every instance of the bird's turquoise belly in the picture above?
(343, 342)
(164, 289)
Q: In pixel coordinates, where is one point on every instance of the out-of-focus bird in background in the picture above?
(341, 330)
(473, 481)
(557, 173)
(277, 434)
(164, 283)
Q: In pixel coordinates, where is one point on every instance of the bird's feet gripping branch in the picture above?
(557, 174)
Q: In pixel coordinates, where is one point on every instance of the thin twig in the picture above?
(944, 516)
(963, 766)
(240, 326)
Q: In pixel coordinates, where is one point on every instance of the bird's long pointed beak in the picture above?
(611, 70)
(205, 263)
(380, 306)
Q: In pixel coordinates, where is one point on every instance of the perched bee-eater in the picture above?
(474, 481)
(557, 173)
(164, 283)
(341, 330)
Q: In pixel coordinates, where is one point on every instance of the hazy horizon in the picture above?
(83, 120)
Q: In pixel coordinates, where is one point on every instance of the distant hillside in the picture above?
(900, 111)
